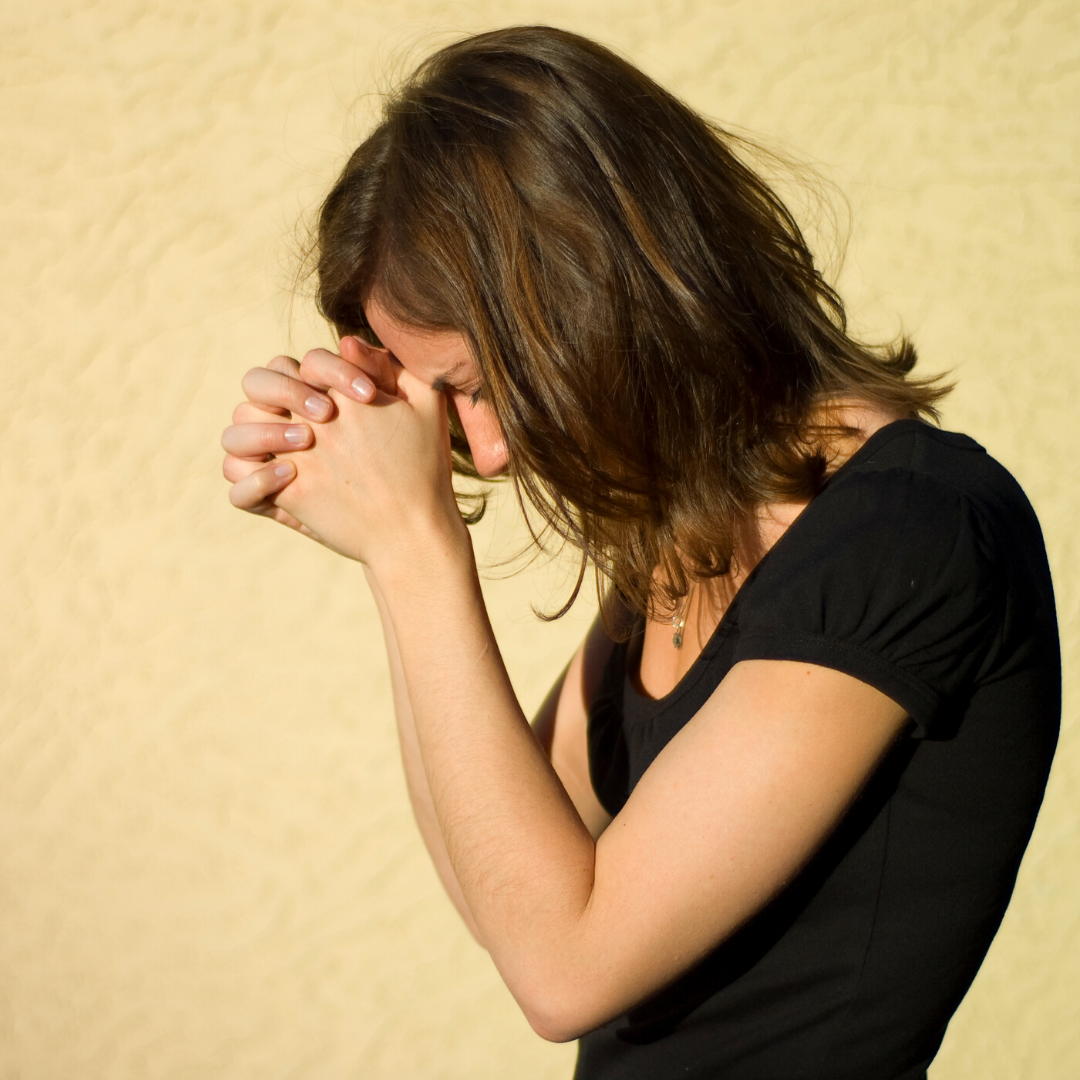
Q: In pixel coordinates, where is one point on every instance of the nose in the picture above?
(485, 437)
(492, 461)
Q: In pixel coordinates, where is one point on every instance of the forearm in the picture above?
(415, 777)
(518, 848)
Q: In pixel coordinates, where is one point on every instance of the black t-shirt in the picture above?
(920, 570)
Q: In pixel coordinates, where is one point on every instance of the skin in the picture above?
(583, 915)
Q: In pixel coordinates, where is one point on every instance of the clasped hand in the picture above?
(348, 449)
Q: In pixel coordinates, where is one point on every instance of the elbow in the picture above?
(554, 1025)
(565, 982)
(561, 1013)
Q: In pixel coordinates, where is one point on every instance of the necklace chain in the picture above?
(678, 622)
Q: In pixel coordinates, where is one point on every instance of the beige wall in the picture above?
(207, 866)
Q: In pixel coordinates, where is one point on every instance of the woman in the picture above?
(768, 820)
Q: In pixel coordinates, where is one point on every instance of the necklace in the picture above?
(678, 622)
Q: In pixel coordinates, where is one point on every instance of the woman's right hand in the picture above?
(268, 423)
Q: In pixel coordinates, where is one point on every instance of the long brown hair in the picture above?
(646, 318)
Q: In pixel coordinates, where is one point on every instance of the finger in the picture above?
(247, 413)
(254, 491)
(286, 365)
(234, 468)
(263, 386)
(418, 394)
(378, 364)
(257, 441)
(324, 370)
(359, 373)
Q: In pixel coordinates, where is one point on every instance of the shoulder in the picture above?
(913, 503)
(914, 492)
(912, 460)
(901, 570)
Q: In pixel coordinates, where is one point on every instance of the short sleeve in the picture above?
(889, 576)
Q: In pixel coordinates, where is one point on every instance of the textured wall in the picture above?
(207, 866)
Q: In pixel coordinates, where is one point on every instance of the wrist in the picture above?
(423, 558)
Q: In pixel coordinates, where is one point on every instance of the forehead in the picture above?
(439, 357)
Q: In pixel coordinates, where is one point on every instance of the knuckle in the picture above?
(234, 469)
(283, 364)
(251, 493)
(345, 372)
(250, 379)
(286, 391)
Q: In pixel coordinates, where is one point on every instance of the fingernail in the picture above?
(297, 435)
(317, 407)
(283, 470)
(363, 387)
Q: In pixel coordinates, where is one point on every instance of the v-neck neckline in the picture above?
(633, 648)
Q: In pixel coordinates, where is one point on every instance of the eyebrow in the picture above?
(443, 382)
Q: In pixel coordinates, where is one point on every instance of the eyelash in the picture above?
(475, 396)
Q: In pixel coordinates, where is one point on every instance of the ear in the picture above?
(378, 364)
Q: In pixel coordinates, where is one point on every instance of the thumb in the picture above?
(375, 363)
(430, 406)
(422, 397)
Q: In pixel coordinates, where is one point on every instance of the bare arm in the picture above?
(736, 804)
(580, 928)
(415, 779)
(277, 394)
(561, 726)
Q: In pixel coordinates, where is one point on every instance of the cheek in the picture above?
(485, 439)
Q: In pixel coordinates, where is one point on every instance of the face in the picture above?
(443, 361)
